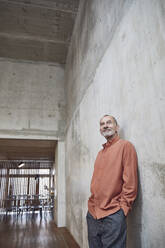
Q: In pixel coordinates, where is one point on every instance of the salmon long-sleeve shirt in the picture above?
(114, 181)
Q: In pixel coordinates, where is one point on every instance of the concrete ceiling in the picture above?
(36, 30)
(30, 150)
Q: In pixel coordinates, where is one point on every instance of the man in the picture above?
(113, 189)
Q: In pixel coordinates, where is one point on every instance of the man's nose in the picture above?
(105, 126)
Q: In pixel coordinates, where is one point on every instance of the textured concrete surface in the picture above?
(116, 65)
(60, 198)
(32, 101)
(36, 30)
(95, 27)
(20, 149)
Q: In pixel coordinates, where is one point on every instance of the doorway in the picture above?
(26, 176)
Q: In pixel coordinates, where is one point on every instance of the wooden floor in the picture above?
(32, 231)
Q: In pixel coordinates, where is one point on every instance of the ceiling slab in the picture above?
(32, 49)
(38, 150)
(37, 30)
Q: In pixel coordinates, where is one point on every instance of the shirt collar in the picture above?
(110, 142)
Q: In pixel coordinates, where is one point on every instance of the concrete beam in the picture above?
(63, 5)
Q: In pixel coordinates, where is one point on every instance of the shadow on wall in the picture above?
(134, 219)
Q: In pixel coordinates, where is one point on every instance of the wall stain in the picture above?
(159, 172)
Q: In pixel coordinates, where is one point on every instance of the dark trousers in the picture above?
(108, 232)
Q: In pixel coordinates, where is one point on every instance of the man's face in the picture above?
(108, 127)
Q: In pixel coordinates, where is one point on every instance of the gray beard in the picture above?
(108, 133)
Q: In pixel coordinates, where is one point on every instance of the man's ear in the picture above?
(117, 128)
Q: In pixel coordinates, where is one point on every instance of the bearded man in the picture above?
(113, 189)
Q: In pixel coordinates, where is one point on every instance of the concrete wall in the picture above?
(116, 65)
(32, 101)
(60, 197)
